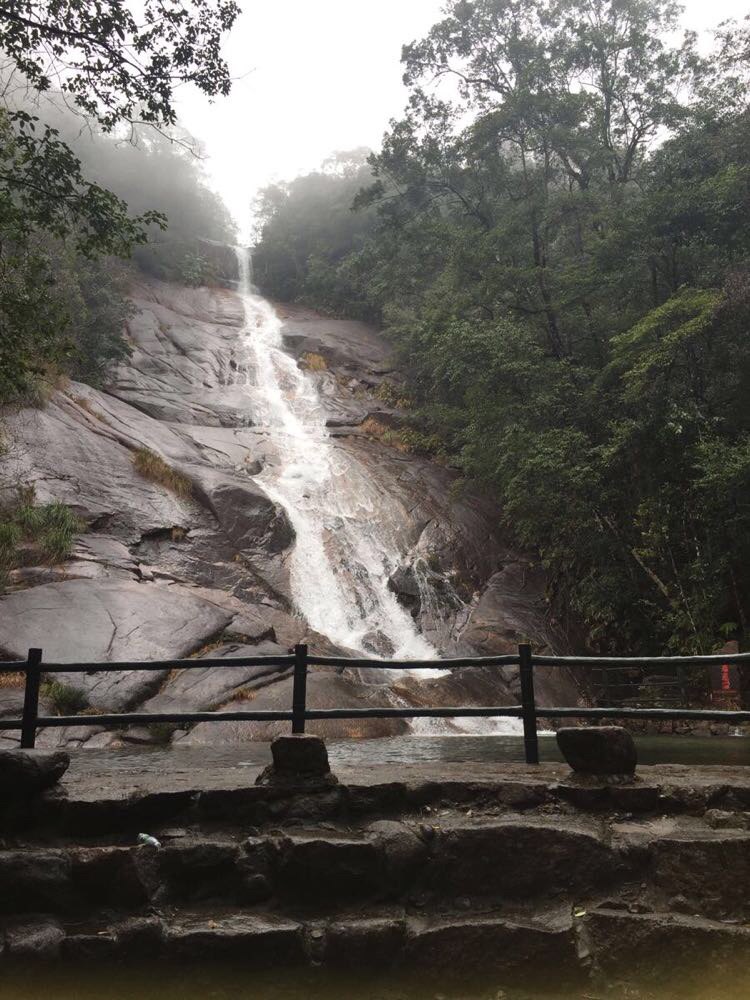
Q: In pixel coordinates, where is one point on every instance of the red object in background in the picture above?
(725, 683)
(725, 680)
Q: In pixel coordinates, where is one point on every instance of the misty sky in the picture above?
(314, 76)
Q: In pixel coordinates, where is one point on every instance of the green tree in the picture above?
(118, 71)
(561, 255)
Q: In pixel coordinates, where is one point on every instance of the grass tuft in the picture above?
(30, 533)
(379, 431)
(314, 362)
(65, 699)
(152, 467)
(14, 680)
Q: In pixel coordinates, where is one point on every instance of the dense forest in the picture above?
(556, 236)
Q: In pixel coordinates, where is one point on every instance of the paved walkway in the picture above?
(120, 774)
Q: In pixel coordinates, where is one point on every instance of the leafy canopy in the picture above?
(557, 239)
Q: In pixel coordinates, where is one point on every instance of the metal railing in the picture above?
(528, 711)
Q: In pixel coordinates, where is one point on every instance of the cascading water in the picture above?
(345, 548)
(344, 551)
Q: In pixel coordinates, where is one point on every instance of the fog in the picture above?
(315, 76)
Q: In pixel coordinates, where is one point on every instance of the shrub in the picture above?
(46, 531)
(196, 270)
(152, 467)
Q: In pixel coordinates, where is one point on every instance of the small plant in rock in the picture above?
(31, 532)
(314, 362)
(393, 395)
(10, 536)
(152, 466)
(66, 699)
(58, 527)
(244, 694)
(12, 680)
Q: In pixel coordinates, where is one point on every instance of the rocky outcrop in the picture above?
(158, 574)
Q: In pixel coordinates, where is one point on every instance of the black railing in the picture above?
(528, 711)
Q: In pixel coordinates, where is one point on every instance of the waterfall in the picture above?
(345, 548)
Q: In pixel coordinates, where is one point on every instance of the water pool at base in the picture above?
(729, 750)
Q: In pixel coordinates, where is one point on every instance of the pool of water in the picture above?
(730, 750)
(733, 750)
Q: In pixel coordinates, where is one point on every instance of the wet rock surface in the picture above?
(27, 772)
(598, 749)
(160, 575)
(438, 868)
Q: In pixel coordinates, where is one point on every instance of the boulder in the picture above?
(300, 754)
(27, 772)
(404, 584)
(298, 759)
(598, 749)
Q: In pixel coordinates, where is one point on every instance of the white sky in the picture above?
(314, 76)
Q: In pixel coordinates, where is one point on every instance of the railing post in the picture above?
(299, 690)
(528, 705)
(31, 699)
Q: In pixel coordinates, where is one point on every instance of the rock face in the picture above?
(598, 749)
(27, 772)
(161, 575)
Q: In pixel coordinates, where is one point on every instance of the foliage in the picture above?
(308, 229)
(32, 533)
(114, 66)
(152, 466)
(560, 250)
(66, 699)
(197, 270)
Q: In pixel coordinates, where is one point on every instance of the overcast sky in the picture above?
(314, 76)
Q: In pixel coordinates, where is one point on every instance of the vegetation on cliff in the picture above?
(558, 242)
(80, 82)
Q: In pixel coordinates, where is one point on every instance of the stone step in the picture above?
(685, 865)
(317, 868)
(665, 947)
(588, 949)
(91, 804)
(443, 946)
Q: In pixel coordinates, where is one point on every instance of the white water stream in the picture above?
(344, 551)
(346, 546)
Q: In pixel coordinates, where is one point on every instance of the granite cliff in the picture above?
(160, 573)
